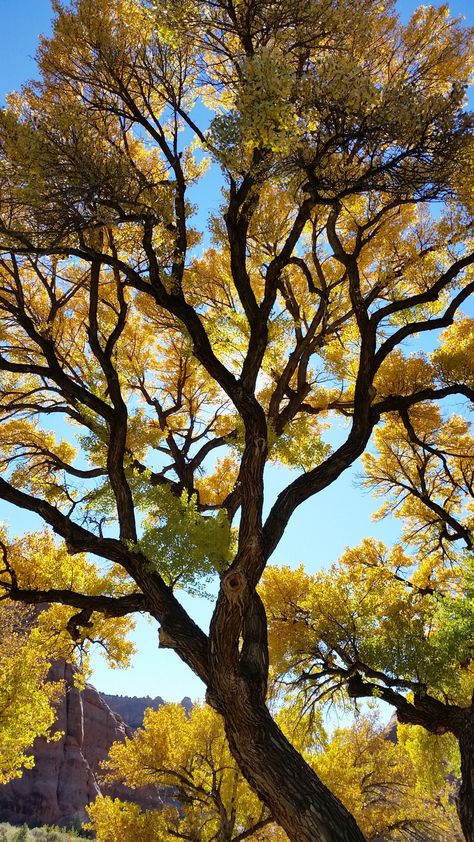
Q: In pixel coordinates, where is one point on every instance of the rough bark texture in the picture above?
(299, 801)
(465, 798)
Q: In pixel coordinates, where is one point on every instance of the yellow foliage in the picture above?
(424, 474)
(401, 375)
(26, 698)
(189, 753)
(366, 610)
(214, 488)
(376, 780)
(435, 759)
(115, 820)
(334, 126)
(453, 359)
(40, 563)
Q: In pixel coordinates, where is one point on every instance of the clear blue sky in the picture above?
(319, 531)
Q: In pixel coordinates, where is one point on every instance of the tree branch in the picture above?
(182, 633)
(110, 606)
(422, 326)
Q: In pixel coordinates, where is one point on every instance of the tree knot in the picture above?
(234, 585)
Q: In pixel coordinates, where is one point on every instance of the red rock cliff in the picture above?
(66, 773)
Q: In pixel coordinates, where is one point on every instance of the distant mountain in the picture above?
(132, 708)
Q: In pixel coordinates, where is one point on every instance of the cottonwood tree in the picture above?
(386, 623)
(185, 365)
(26, 706)
(188, 759)
(378, 778)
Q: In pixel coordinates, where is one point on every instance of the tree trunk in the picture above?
(306, 810)
(465, 797)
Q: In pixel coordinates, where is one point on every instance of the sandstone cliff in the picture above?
(66, 775)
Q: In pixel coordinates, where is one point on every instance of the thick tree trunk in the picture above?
(297, 799)
(465, 798)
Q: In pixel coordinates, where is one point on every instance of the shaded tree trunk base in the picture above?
(300, 803)
(465, 798)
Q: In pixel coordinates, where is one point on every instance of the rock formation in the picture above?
(131, 708)
(66, 775)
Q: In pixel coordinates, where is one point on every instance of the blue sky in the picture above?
(340, 516)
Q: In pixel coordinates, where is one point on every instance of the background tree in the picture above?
(184, 371)
(26, 700)
(378, 780)
(188, 759)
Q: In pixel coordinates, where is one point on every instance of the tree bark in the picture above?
(300, 803)
(465, 797)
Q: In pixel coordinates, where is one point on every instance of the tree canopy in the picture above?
(380, 780)
(33, 637)
(26, 706)
(187, 758)
(153, 364)
(388, 623)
